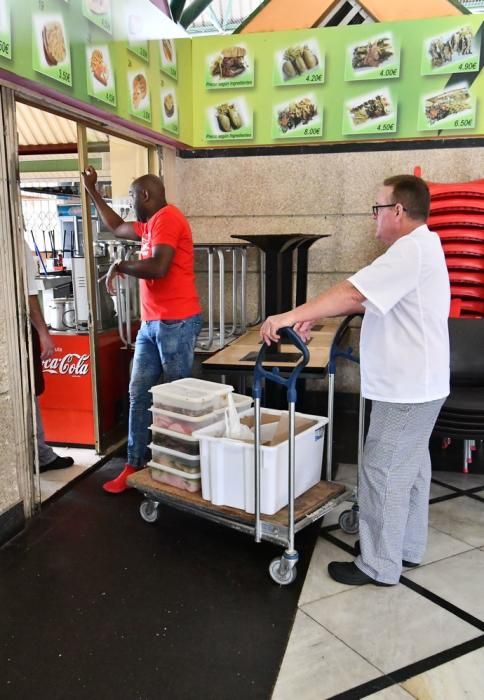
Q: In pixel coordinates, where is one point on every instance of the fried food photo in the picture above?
(228, 117)
(443, 105)
(296, 113)
(168, 51)
(297, 60)
(375, 107)
(54, 43)
(99, 68)
(169, 105)
(140, 90)
(372, 54)
(230, 63)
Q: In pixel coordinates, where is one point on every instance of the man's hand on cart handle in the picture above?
(268, 330)
(110, 276)
(303, 329)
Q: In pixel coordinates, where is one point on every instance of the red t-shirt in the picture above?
(174, 296)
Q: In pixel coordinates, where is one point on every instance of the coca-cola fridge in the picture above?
(67, 404)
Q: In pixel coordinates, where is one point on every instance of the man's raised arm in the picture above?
(113, 221)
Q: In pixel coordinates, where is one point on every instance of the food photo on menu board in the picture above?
(374, 113)
(373, 59)
(137, 42)
(231, 67)
(455, 51)
(229, 120)
(169, 110)
(454, 108)
(300, 118)
(100, 76)
(299, 64)
(168, 57)
(139, 95)
(98, 12)
(5, 30)
(51, 54)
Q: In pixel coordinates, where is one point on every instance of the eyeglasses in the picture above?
(376, 207)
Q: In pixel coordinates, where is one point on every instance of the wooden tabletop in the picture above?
(234, 355)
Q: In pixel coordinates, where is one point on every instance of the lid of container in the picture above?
(173, 433)
(203, 385)
(181, 456)
(176, 472)
(185, 393)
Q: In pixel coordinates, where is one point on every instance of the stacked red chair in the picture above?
(457, 215)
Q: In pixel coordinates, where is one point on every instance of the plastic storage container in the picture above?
(219, 392)
(175, 441)
(164, 457)
(174, 477)
(182, 399)
(185, 425)
(227, 465)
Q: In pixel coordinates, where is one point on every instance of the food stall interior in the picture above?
(85, 403)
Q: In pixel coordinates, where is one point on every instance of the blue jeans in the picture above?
(162, 348)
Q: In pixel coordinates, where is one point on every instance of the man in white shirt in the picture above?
(43, 347)
(404, 359)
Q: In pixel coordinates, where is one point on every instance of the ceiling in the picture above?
(36, 127)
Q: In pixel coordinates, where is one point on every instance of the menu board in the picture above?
(404, 80)
(400, 80)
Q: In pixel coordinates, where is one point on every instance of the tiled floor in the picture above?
(52, 481)
(421, 639)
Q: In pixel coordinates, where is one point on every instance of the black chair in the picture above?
(462, 415)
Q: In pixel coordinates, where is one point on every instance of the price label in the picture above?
(386, 127)
(388, 73)
(105, 24)
(464, 123)
(146, 115)
(312, 131)
(468, 65)
(5, 48)
(64, 76)
(111, 98)
(314, 78)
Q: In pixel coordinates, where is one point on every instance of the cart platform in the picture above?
(310, 506)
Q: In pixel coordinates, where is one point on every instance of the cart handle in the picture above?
(335, 352)
(273, 374)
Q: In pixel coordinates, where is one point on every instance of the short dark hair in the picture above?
(412, 192)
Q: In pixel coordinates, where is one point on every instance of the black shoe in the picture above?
(347, 572)
(57, 463)
(405, 563)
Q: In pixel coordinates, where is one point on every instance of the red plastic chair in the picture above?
(464, 277)
(474, 235)
(463, 247)
(475, 292)
(461, 262)
(457, 204)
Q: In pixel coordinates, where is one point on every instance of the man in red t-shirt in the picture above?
(170, 307)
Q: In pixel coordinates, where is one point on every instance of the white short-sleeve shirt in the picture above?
(404, 345)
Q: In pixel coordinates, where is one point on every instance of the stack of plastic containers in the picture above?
(179, 409)
(457, 215)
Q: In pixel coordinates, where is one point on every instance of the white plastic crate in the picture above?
(227, 465)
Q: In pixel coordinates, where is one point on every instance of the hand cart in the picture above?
(348, 519)
(279, 528)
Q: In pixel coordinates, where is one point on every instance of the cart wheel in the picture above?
(281, 579)
(149, 511)
(348, 522)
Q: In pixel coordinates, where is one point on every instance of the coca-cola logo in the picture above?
(72, 364)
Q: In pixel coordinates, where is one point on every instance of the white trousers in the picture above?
(393, 487)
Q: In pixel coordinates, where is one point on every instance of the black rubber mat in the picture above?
(98, 604)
